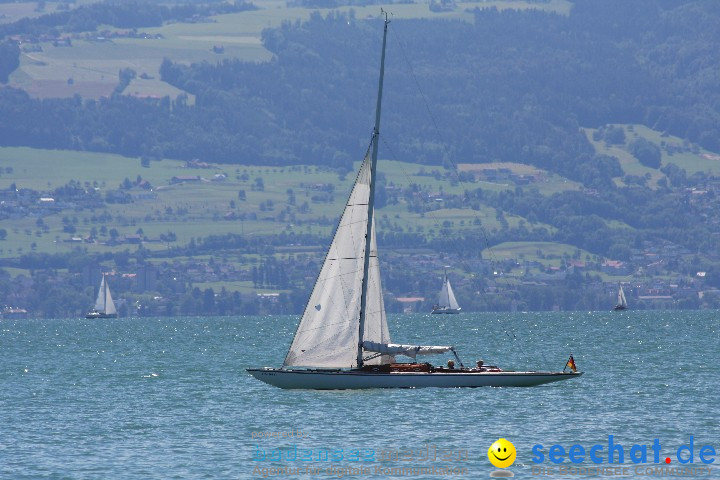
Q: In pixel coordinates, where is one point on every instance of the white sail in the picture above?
(109, 304)
(100, 301)
(376, 327)
(446, 299)
(104, 302)
(621, 298)
(327, 335)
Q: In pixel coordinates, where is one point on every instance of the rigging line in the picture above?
(448, 156)
(454, 169)
(513, 337)
(430, 213)
(446, 151)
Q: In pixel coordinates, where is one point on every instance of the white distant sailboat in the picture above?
(446, 300)
(104, 305)
(621, 302)
(343, 340)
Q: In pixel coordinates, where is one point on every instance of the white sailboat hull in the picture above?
(92, 315)
(446, 310)
(349, 379)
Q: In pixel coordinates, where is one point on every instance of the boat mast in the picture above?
(371, 201)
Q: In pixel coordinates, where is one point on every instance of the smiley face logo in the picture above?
(502, 453)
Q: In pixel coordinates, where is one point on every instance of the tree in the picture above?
(208, 301)
(168, 237)
(615, 135)
(646, 152)
(9, 59)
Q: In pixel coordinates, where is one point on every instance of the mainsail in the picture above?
(446, 299)
(327, 335)
(104, 303)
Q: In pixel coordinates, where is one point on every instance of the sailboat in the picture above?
(621, 302)
(342, 340)
(446, 300)
(104, 305)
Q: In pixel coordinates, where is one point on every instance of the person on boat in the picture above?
(480, 364)
(451, 365)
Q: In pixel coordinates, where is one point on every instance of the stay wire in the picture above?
(448, 156)
(455, 171)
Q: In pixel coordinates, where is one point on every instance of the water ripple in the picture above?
(170, 398)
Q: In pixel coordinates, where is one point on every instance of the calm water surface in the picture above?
(170, 398)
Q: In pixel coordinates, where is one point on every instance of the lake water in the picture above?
(159, 398)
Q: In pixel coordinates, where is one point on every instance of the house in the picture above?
(410, 304)
(184, 179)
(196, 163)
(269, 297)
(614, 267)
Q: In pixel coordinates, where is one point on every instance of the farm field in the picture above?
(12, 12)
(547, 183)
(552, 252)
(193, 202)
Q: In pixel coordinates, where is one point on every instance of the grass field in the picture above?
(692, 159)
(549, 254)
(201, 208)
(48, 169)
(547, 183)
(12, 12)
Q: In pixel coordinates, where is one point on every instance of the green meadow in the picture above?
(226, 199)
(545, 252)
(691, 158)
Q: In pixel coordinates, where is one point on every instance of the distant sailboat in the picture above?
(446, 300)
(343, 340)
(621, 302)
(104, 305)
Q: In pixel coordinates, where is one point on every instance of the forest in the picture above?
(512, 86)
